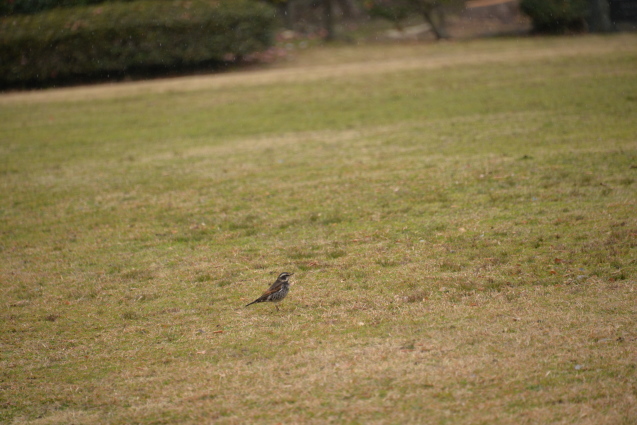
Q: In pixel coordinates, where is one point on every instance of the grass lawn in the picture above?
(461, 219)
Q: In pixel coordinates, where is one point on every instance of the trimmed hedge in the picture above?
(28, 7)
(556, 16)
(118, 37)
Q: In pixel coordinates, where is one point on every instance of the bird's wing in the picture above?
(275, 286)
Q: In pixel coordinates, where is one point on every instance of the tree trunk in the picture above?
(435, 17)
(328, 19)
(349, 8)
(599, 19)
(285, 12)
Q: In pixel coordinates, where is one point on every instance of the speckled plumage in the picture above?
(277, 291)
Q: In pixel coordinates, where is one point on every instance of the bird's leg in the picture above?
(277, 307)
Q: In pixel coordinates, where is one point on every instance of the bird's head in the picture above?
(285, 276)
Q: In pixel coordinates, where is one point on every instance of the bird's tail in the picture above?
(258, 300)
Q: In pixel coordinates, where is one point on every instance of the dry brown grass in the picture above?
(463, 241)
(524, 355)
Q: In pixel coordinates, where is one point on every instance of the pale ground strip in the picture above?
(409, 57)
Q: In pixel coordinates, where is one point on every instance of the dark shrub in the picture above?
(30, 7)
(556, 16)
(118, 37)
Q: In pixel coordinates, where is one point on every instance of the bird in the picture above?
(277, 291)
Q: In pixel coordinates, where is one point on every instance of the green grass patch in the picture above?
(460, 219)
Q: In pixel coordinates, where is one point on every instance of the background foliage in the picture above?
(399, 10)
(556, 16)
(118, 37)
(29, 7)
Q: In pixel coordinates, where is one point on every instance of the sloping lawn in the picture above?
(461, 219)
